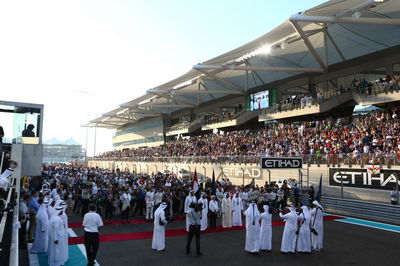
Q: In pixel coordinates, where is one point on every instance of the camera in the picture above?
(196, 206)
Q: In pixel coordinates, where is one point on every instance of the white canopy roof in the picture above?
(349, 28)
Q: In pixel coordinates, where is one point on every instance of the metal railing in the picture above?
(361, 209)
(387, 159)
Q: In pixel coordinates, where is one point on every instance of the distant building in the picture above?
(62, 153)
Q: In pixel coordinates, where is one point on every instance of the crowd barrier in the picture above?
(360, 209)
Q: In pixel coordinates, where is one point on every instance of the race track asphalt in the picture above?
(344, 244)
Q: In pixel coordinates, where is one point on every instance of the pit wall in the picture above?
(234, 172)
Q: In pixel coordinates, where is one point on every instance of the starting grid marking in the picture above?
(76, 255)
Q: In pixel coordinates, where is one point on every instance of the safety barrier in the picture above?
(360, 209)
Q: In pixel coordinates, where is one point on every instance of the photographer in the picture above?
(194, 216)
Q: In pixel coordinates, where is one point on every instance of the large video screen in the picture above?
(259, 100)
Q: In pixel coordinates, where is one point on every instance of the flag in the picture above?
(213, 188)
(195, 183)
(318, 198)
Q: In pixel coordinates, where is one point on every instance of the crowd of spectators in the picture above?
(387, 84)
(373, 135)
(211, 118)
(80, 186)
(295, 102)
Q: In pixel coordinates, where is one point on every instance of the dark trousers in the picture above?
(91, 246)
(108, 214)
(22, 235)
(85, 206)
(32, 225)
(125, 214)
(140, 206)
(193, 230)
(213, 220)
(296, 200)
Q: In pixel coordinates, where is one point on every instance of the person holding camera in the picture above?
(194, 218)
(160, 221)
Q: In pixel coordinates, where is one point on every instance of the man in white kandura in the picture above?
(226, 211)
(266, 230)
(317, 226)
(289, 232)
(189, 199)
(56, 233)
(237, 208)
(41, 233)
(149, 197)
(252, 229)
(304, 233)
(160, 221)
(64, 240)
(203, 221)
(158, 197)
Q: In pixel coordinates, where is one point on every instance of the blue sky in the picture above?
(82, 58)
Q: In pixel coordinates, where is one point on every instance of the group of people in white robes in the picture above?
(303, 231)
(51, 232)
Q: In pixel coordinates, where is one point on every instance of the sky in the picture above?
(83, 58)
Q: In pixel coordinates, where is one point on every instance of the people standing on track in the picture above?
(55, 249)
(160, 221)
(150, 203)
(194, 217)
(126, 202)
(226, 211)
(266, 229)
(41, 233)
(304, 232)
(252, 229)
(204, 213)
(237, 208)
(191, 198)
(289, 232)
(317, 226)
(91, 223)
(213, 210)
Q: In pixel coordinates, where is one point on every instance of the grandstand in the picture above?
(290, 92)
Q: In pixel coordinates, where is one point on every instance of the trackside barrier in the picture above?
(360, 209)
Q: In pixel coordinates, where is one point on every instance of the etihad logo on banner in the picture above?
(281, 163)
(363, 178)
(238, 172)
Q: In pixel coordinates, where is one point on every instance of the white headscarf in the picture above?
(252, 213)
(266, 208)
(306, 212)
(160, 208)
(319, 205)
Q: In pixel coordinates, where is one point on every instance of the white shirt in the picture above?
(91, 222)
(4, 178)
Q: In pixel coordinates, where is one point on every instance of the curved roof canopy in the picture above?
(307, 42)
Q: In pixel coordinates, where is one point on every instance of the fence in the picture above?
(361, 209)
(388, 159)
